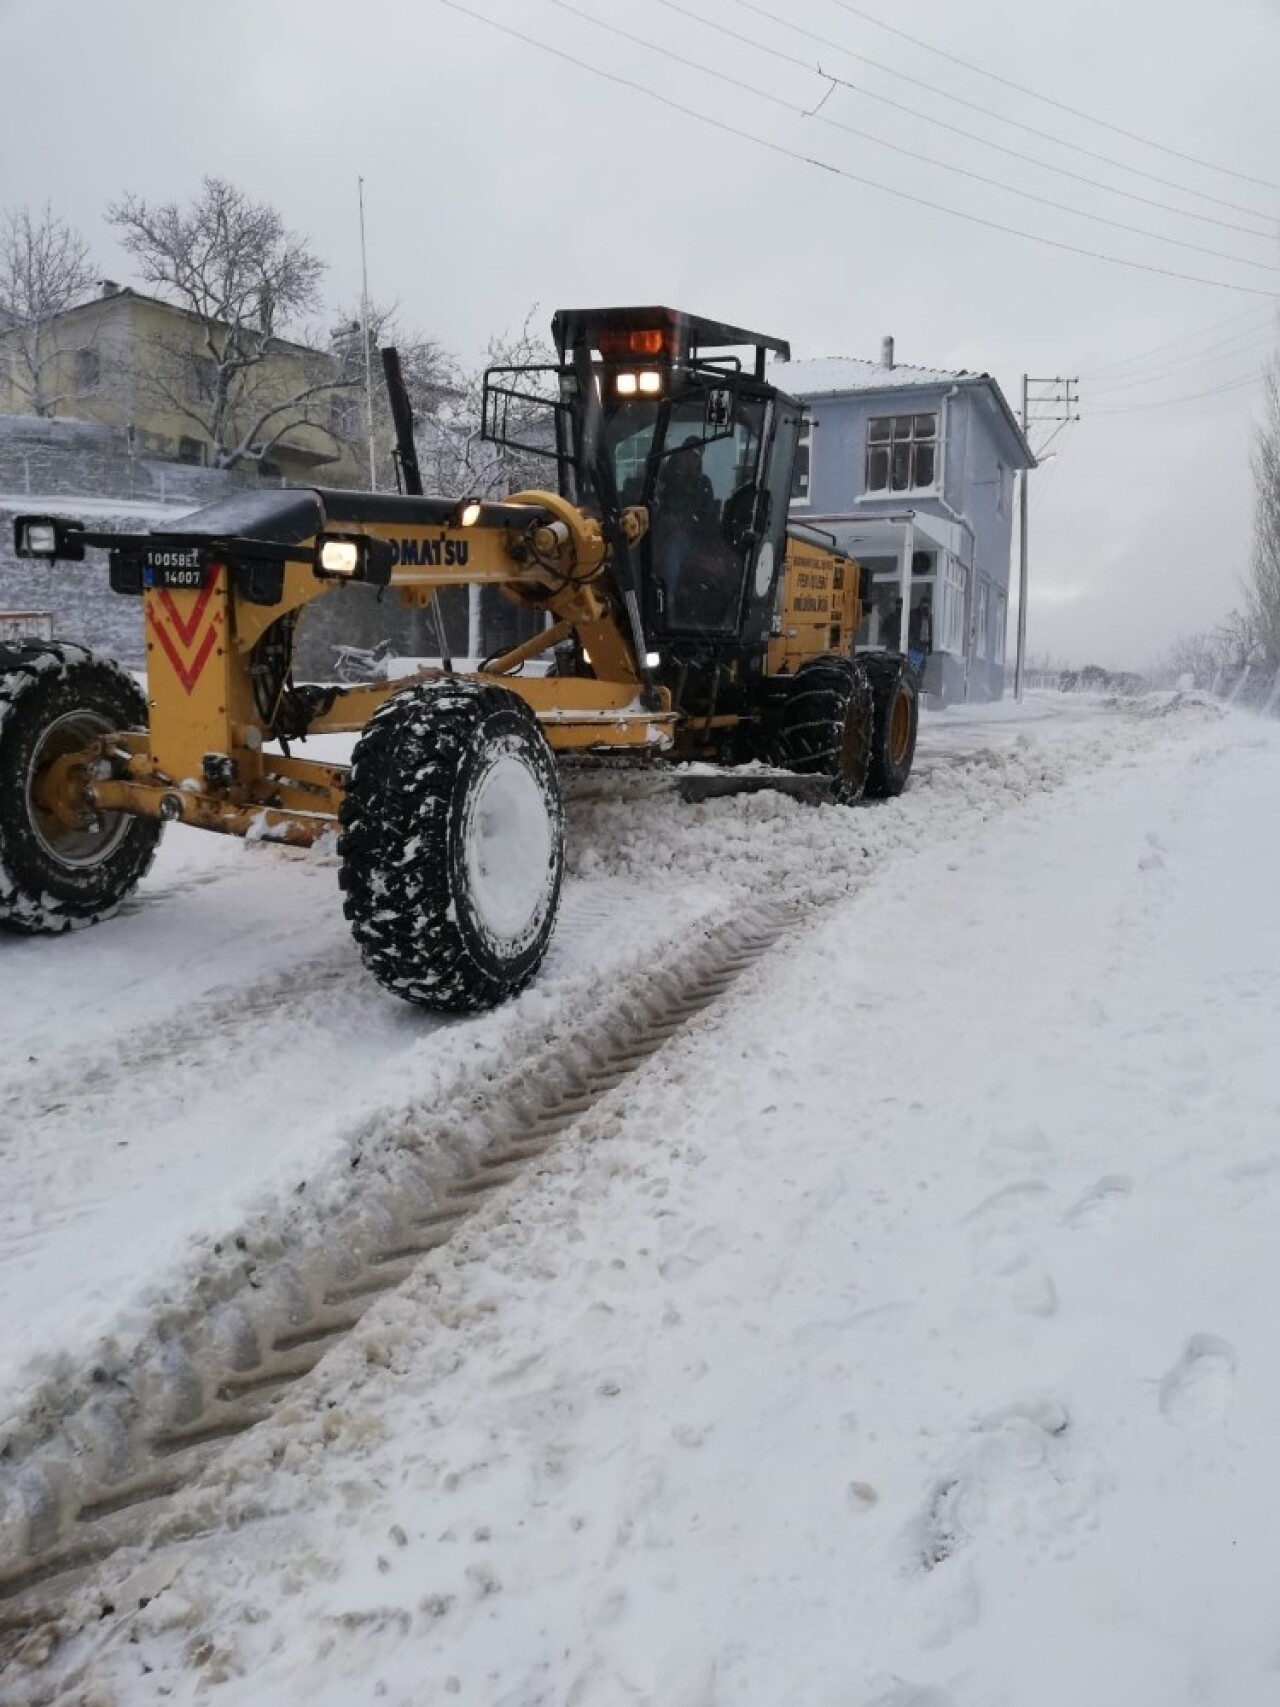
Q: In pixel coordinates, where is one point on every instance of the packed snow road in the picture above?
(898, 1335)
(170, 1078)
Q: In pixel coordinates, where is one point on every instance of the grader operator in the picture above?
(686, 620)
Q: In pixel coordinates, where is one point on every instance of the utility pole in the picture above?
(368, 350)
(1062, 395)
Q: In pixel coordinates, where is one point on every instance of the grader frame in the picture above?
(688, 619)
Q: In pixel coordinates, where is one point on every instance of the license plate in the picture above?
(177, 569)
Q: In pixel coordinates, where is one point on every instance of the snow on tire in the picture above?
(826, 726)
(453, 845)
(56, 698)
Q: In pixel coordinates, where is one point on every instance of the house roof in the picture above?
(843, 376)
(827, 375)
(109, 299)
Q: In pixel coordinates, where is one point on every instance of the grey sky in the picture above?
(498, 176)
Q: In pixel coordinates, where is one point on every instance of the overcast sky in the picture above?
(498, 176)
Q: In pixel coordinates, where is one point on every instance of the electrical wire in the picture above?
(1001, 118)
(781, 149)
(1019, 155)
(910, 153)
(1232, 349)
(1050, 101)
(1190, 397)
(1140, 356)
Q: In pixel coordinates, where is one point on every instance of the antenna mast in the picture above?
(368, 348)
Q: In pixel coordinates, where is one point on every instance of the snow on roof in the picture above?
(834, 376)
(849, 373)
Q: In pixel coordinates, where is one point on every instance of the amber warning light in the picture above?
(642, 341)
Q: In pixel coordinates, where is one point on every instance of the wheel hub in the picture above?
(508, 850)
(63, 822)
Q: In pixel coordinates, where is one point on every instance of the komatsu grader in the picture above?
(683, 617)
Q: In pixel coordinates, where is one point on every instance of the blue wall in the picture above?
(978, 454)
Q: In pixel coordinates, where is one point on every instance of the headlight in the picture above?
(39, 539)
(354, 557)
(651, 382)
(626, 384)
(339, 557)
(652, 660)
(48, 538)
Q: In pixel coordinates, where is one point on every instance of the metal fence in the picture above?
(54, 471)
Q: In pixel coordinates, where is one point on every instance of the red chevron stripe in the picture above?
(186, 628)
(177, 646)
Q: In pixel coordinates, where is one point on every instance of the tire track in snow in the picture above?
(112, 1447)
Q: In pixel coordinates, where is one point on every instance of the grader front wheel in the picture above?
(453, 845)
(63, 868)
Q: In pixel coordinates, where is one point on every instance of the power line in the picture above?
(897, 148)
(1050, 101)
(1190, 397)
(843, 172)
(1138, 356)
(1230, 349)
(1001, 118)
(1021, 157)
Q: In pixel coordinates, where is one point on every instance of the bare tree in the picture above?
(244, 280)
(433, 378)
(462, 461)
(45, 269)
(1262, 588)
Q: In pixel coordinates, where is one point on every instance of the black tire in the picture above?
(896, 696)
(54, 699)
(826, 725)
(453, 845)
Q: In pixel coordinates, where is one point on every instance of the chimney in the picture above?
(108, 287)
(886, 352)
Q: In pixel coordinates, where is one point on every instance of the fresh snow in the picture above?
(898, 1336)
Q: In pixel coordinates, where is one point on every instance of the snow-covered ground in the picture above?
(899, 1336)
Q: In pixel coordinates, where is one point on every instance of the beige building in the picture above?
(125, 359)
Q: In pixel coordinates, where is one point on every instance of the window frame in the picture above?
(891, 441)
(200, 377)
(87, 371)
(344, 417)
(806, 441)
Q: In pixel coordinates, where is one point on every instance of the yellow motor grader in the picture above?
(684, 619)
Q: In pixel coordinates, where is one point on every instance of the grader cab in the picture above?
(684, 618)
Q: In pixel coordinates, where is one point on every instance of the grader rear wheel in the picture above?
(897, 717)
(453, 845)
(59, 870)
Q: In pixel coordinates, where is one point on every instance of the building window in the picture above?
(983, 633)
(200, 378)
(88, 371)
(948, 621)
(191, 450)
(902, 452)
(802, 475)
(1002, 490)
(344, 417)
(999, 611)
